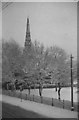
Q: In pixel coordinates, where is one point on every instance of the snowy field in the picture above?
(51, 93)
(42, 109)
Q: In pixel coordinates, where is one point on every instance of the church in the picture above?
(28, 36)
(28, 51)
(28, 46)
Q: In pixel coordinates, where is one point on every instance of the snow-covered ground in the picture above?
(50, 92)
(45, 110)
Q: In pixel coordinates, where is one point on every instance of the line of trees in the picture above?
(36, 62)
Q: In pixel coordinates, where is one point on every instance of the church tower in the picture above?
(28, 36)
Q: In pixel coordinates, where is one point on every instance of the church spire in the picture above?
(28, 37)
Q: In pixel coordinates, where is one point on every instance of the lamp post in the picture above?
(55, 82)
(72, 108)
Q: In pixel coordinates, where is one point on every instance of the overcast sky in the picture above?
(53, 23)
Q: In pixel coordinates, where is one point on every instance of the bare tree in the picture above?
(11, 59)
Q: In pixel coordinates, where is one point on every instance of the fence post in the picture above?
(26, 96)
(63, 104)
(9, 93)
(41, 99)
(21, 96)
(33, 97)
(52, 101)
(30, 97)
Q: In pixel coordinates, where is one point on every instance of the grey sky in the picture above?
(53, 23)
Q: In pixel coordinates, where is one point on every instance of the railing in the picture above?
(41, 99)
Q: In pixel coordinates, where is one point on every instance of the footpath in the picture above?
(42, 109)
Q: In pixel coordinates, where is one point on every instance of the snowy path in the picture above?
(46, 110)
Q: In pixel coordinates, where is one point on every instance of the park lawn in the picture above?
(11, 111)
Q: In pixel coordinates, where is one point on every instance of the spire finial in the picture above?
(28, 37)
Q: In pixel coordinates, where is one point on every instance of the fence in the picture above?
(45, 100)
